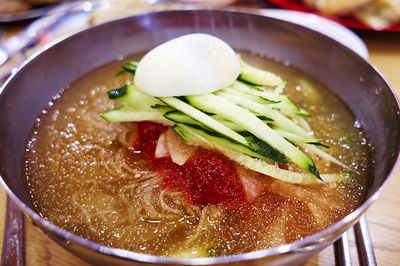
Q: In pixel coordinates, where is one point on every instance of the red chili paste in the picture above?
(208, 177)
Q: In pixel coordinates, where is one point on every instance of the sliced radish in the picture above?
(254, 184)
(179, 151)
(162, 147)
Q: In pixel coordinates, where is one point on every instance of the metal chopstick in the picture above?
(13, 244)
(365, 249)
(342, 251)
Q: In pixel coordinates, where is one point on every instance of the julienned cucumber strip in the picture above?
(229, 124)
(300, 139)
(302, 122)
(318, 143)
(282, 101)
(265, 118)
(117, 93)
(129, 94)
(281, 174)
(128, 67)
(258, 76)
(279, 102)
(279, 89)
(243, 117)
(282, 122)
(254, 143)
(179, 117)
(288, 106)
(252, 97)
(265, 149)
(310, 144)
(279, 120)
(203, 118)
(161, 106)
(196, 136)
(325, 155)
(243, 156)
(239, 86)
(260, 147)
(130, 114)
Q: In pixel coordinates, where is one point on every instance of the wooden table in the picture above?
(383, 217)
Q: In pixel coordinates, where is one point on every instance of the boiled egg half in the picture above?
(188, 65)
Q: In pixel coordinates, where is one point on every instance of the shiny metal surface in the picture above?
(342, 251)
(26, 15)
(22, 40)
(4, 55)
(13, 252)
(355, 81)
(365, 249)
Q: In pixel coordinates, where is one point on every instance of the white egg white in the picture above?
(188, 65)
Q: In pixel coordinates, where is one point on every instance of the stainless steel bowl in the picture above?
(353, 79)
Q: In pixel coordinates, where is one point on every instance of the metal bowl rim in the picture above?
(310, 241)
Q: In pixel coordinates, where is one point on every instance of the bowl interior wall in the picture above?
(29, 92)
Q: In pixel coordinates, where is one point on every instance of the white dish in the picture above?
(325, 26)
(77, 21)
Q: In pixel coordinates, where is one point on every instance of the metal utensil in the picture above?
(19, 42)
(364, 244)
(342, 251)
(13, 243)
(365, 250)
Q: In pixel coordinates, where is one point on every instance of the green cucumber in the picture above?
(289, 108)
(243, 117)
(258, 76)
(203, 118)
(179, 117)
(303, 123)
(117, 93)
(251, 119)
(243, 155)
(130, 114)
(265, 149)
(274, 171)
(240, 87)
(250, 96)
(325, 155)
(128, 67)
(229, 124)
(279, 102)
(262, 148)
(279, 89)
(300, 140)
(279, 120)
(129, 94)
(195, 136)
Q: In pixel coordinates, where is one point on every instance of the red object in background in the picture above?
(208, 177)
(346, 21)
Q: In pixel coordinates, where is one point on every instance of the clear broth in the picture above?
(83, 177)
